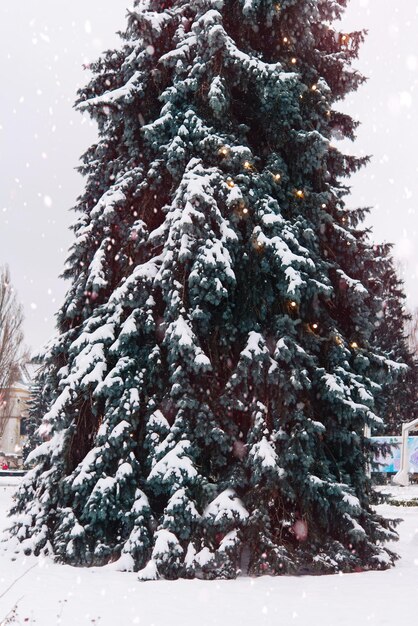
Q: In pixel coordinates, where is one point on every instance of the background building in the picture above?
(13, 416)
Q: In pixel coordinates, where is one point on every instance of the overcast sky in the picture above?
(44, 44)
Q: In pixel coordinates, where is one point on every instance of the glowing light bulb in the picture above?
(315, 326)
(247, 165)
(293, 304)
(223, 151)
(300, 194)
(245, 211)
(354, 345)
(293, 60)
(314, 87)
(277, 178)
(285, 40)
(230, 183)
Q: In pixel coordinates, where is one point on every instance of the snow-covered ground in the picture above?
(394, 492)
(34, 591)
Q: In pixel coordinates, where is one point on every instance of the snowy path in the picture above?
(51, 595)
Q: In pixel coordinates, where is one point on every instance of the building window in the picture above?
(23, 426)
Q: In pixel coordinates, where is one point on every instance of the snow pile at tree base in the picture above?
(39, 591)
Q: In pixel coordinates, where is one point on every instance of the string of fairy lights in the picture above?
(243, 212)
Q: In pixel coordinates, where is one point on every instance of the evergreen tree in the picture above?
(213, 372)
(37, 406)
(398, 401)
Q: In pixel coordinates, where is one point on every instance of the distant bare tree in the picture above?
(11, 342)
(412, 333)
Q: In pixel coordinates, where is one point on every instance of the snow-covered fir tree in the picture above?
(398, 401)
(37, 406)
(213, 371)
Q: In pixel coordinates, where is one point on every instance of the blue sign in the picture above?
(391, 463)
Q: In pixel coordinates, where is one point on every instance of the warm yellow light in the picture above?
(230, 182)
(247, 165)
(314, 87)
(245, 211)
(293, 60)
(324, 206)
(223, 151)
(276, 177)
(300, 194)
(344, 38)
(315, 326)
(293, 304)
(285, 40)
(354, 345)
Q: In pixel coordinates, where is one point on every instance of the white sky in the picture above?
(43, 46)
